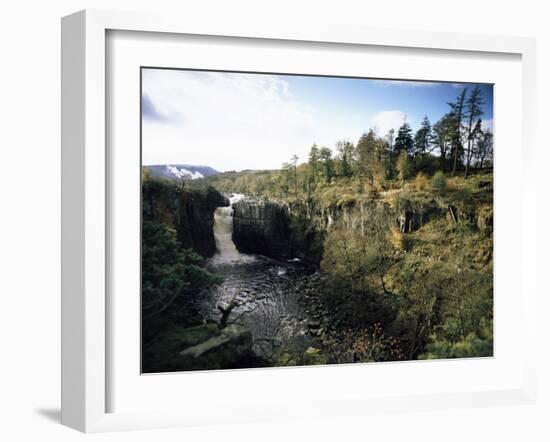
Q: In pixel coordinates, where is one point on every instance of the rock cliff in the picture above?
(262, 227)
(189, 211)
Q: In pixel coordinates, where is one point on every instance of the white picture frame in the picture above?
(85, 210)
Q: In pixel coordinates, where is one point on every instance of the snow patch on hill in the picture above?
(182, 173)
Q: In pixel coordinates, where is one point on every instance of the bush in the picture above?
(421, 182)
(399, 240)
(439, 181)
(470, 347)
(170, 276)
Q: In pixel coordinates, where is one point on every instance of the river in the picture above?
(263, 295)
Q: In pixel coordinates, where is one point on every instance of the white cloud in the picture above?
(226, 121)
(389, 119)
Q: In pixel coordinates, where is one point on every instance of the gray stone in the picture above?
(233, 336)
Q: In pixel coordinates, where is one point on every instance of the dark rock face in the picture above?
(189, 211)
(262, 227)
(412, 219)
(195, 219)
(308, 230)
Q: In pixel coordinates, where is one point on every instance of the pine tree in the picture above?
(423, 137)
(366, 147)
(474, 109)
(325, 156)
(313, 161)
(345, 152)
(443, 135)
(404, 140)
(457, 109)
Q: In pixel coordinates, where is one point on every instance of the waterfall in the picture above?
(223, 234)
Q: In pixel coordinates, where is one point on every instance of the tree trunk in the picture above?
(455, 159)
(468, 157)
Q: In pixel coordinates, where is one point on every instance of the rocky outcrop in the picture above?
(189, 211)
(233, 338)
(411, 215)
(262, 227)
(411, 220)
(195, 219)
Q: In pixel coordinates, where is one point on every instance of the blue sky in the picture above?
(234, 121)
(363, 98)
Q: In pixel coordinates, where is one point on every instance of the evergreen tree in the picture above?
(457, 109)
(404, 140)
(366, 149)
(485, 147)
(403, 166)
(370, 156)
(170, 275)
(423, 137)
(325, 156)
(474, 109)
(313, 161)
(443, 135)
(345, 153)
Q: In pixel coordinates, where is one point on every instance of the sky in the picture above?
(237, 121)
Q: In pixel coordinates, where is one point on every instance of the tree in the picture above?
(325, 156)
(423, 137)
(404, 140)
(294, 161)
(389, 156)
(474, 109)
(313, 161)
(457, 109)
(290, 176)
(443, 135)
(170, 275)
(473, 145)
(485, 147)
(403, 165)
(285, 183)
(390, 138)
(367, 153)
(345, 153)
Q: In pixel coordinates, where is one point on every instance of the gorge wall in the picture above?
(278, 230)
(263, 228)
(189, 211)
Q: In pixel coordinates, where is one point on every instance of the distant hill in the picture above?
(177, 172)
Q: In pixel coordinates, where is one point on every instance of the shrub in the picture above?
(403, 166)
(439, 181)
(399, 240)
(421, 182)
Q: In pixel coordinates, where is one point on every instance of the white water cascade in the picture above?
(223, 234)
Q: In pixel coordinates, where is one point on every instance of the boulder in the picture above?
(233, 338)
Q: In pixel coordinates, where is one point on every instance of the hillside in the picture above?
(178, 172)
(405, 266)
